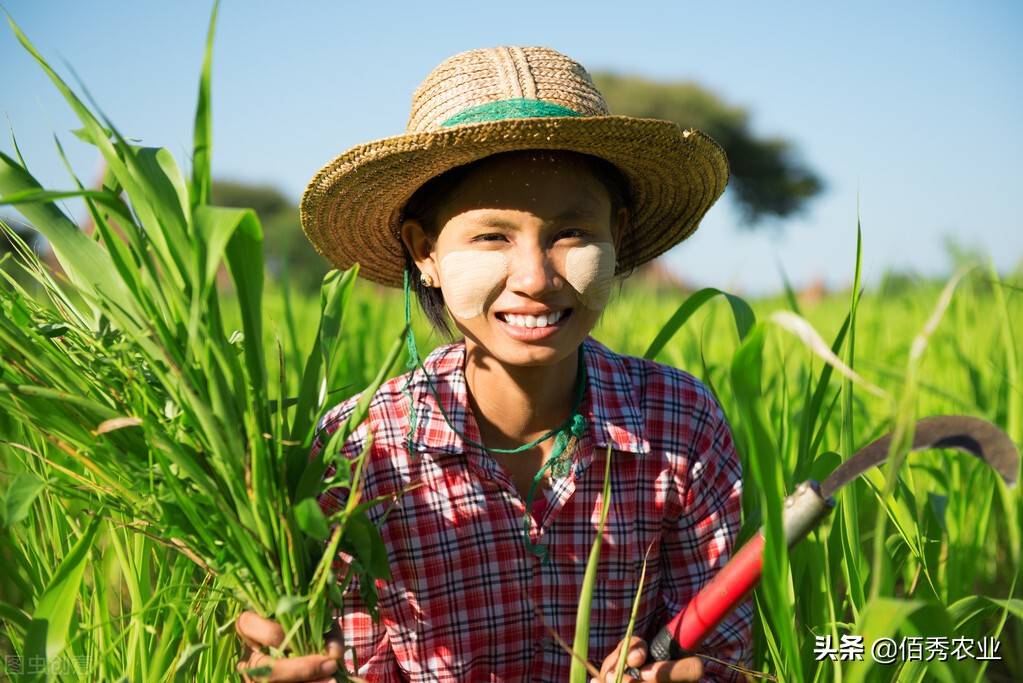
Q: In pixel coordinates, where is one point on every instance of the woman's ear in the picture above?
(421, 246)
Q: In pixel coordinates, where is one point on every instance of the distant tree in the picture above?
(768, 179)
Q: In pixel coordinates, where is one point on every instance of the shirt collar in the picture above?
(609, 405)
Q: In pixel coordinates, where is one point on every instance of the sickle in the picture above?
(804, 509)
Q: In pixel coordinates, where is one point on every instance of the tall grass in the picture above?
(133, 404)
(154, 433)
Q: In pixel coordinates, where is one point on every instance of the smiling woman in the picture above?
(510, 205)
(539, 225)
(425, 204)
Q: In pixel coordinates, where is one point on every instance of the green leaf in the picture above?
(288, 604)
(890, 617)
(763, 468)
(108, 199)
(187, 659)
(51, 619)
(122, 162)
(88, 266)
(310, 519)
(334, 296)
(824, 465)
(741, 312)
(15, 616)
(312, 474)
(581, 640)
(202, 138)
(165, 207)
(20, 496)
(217, 227)
(965, 610)
(245, 261)
(364, 541)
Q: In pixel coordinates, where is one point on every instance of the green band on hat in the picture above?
(509, 109)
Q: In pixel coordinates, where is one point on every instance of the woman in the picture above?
(510, 205)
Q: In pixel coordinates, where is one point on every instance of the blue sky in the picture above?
(914, 108)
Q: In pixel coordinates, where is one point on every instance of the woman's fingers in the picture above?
(636, 657)
(335, 649)
(676, 671)
(258, 632)
(256, 660)
(291, 670)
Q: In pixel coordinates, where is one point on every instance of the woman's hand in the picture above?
(679, 670)
(258, 632)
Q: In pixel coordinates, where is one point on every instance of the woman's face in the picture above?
(525, 255)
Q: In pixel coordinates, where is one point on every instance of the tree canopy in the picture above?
(768, 178)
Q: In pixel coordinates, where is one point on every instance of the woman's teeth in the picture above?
(533, 320)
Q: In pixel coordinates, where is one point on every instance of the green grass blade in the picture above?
(202, 137)
(763, 468)
(315, 468)
(244, 255)
(889, 617)
(790, 294)
(581, 642)
(51, 619)
(741, 312)
(19, 497)
(334, 297)
(624, 654)
(852, 561)
(88, 266)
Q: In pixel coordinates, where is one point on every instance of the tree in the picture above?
(768, 179)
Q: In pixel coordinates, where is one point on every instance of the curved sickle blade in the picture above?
(968, 434)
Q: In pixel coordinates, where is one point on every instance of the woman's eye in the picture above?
(488, 237)
(570, 233)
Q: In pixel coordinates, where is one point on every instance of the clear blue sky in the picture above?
(915, 107)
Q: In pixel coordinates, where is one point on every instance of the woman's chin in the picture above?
(525, 349)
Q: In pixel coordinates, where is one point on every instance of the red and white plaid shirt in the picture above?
(466, 596)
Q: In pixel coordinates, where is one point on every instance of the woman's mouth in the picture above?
(532, 327)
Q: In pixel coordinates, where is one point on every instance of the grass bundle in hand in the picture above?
(150, 410)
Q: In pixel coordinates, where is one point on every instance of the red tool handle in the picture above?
(719, 597)
(803, 511)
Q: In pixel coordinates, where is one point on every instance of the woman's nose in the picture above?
(532, 273)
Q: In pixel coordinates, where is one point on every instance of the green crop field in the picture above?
(155, 427)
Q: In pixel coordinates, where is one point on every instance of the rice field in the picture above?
(154, 432)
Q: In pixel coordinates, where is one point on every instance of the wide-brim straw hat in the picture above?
(484, 102)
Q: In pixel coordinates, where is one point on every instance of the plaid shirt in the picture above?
(466, 598)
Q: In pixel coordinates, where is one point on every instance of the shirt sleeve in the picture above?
(700, 544)
(368, 652)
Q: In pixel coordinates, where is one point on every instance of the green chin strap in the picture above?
(565, 435)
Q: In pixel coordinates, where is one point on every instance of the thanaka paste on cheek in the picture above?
(469, 278)
(590, 270)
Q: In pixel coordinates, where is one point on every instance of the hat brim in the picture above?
(352, 209)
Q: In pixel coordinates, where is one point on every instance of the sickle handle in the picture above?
(804, 509)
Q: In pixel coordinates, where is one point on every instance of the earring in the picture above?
(426, 280)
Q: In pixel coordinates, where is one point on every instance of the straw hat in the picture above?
(484, 102)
